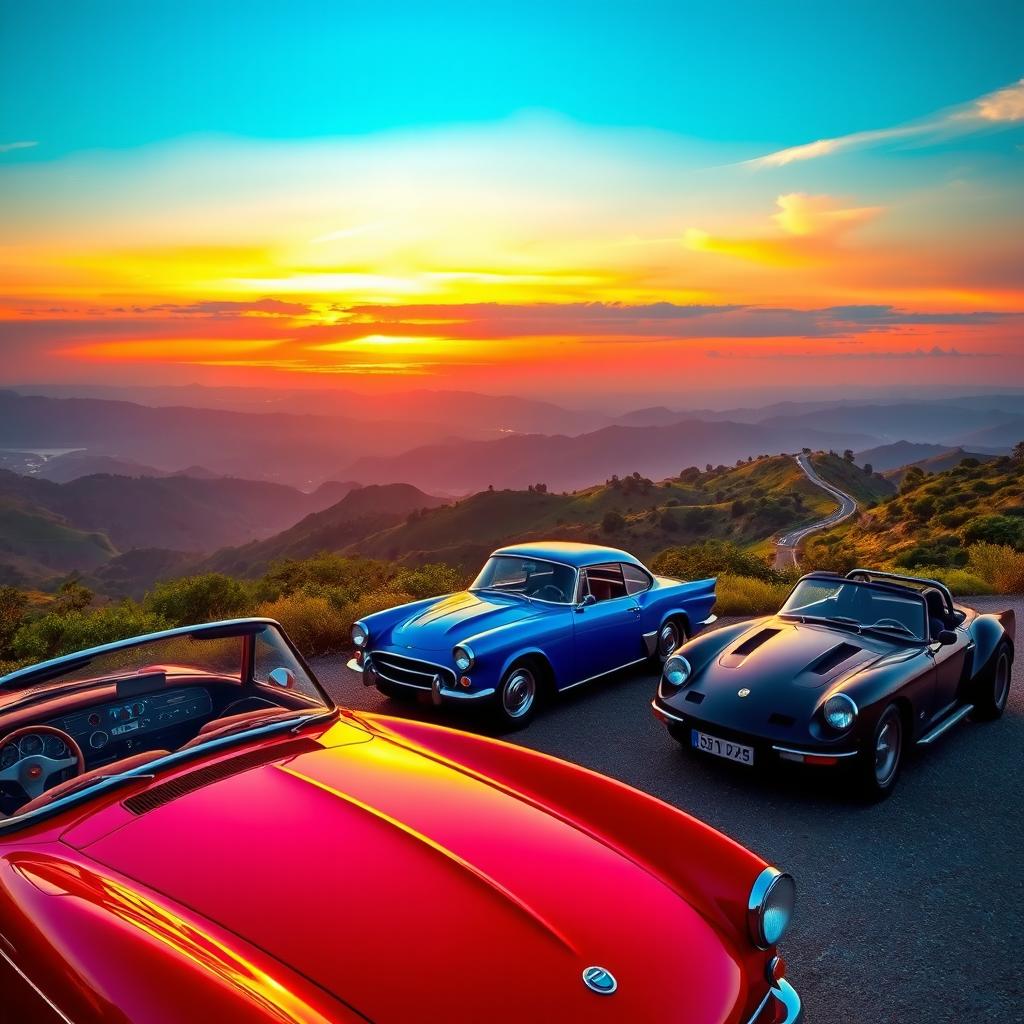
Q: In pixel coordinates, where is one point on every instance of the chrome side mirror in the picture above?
(587, 601)
(282, 677)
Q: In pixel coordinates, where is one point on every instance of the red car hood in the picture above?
(412, 890)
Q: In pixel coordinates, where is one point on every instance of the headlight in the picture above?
(770, 907)
(360, 635)
(677, 670)
(463, 658)
(840, 712)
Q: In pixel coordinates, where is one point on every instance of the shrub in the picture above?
(698, 561)
(612, 522)
(1000, 566)
(313, 623)
(13, 604)
(742, 595)
(429, 580)
(1008, 530)
(55, 633)
(192, 599)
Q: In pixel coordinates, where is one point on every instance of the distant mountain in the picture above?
(565, 463)
(938, 463)
(901, 453)
(64, 468)
(998, 438)
(47, 528)
(362, 512)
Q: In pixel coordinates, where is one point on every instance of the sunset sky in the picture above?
(558, 199)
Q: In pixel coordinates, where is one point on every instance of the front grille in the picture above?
(397, 668)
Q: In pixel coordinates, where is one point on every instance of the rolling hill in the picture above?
(565, 463)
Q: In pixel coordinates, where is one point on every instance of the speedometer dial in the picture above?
(8, 755)
(31, 745)
(56, 748)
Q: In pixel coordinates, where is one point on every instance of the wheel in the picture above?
(517, 697)
(994, 688)
(670, 636)
(881, 759)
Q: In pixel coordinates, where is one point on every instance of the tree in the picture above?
(848, 455)
(1018, 452)
(204, 598)
(868, 468)
(72, 597)
(13, 604)
(613, 522)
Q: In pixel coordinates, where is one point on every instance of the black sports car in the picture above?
(850, 672)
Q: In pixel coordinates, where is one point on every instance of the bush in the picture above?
(698, 561)
(429, 580)
(742, 595)
(612, 522)
(315, 626)
(193, 599)
(1002, 530)
(55, 634)
(1000, 566)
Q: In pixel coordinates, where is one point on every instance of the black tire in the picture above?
(881, 758)
(517, 698)
(673, 634)
(993, 689)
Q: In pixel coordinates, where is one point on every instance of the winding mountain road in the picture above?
(787, 544)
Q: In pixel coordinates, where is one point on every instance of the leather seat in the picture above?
(63, 788)
(218, 725)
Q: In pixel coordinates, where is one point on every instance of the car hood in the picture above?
(412, 889)
(455, 618)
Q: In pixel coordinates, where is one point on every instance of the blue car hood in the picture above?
(457, 617)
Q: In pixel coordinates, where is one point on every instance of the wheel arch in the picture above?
(532, 656)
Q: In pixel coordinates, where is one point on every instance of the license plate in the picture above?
(722, 748)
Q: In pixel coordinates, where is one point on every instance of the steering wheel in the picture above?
(33, 771)
(550, 588)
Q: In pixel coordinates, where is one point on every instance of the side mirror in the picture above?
(282, 677)
(587, 601)
(946, 637)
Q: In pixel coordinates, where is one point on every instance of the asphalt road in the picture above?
(909, 911)
(787, 544)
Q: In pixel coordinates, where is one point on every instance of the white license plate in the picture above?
(722, 748)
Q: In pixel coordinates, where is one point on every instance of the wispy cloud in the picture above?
(1003, 107)
(7, 147)
(935, 352)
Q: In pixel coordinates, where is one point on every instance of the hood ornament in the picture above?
(599, 980)
(743, 693)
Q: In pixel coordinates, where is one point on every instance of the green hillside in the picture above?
(934, 521)
(746, 504)
(866, 488)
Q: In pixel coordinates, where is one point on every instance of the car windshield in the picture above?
(531, 577)
(858, 604)
(233, 653)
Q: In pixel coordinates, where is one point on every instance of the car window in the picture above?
(637, 581)
(605, 582)
(534, 577)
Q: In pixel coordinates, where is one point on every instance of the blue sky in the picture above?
(77, 75)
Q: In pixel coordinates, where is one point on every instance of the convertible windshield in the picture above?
(532, 577)
(858, 604)
(237, 653)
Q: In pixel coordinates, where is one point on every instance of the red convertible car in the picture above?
(193, 832)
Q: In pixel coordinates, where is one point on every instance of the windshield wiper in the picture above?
(504, 593)
(845, 620)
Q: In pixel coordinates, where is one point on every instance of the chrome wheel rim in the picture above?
(887, 748)
(518, 694)
(668, 640)
(1001, 684)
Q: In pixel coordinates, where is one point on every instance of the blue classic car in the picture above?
(539, 618)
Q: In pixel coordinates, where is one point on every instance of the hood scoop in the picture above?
(832, 659)
(742, 651)
(165, 792)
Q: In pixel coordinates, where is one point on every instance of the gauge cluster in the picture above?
(96, 728)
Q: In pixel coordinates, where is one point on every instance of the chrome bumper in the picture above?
(438, 692)
(784, 993)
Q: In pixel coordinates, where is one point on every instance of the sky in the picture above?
(563, 200)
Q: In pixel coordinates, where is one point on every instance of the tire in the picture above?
(994, 687)
(671, 635)
(881, 759)
(517, 697)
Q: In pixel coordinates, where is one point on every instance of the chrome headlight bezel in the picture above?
(770, 907)
(360, 635)
(464, 657)
(843, 714)
(677, 671)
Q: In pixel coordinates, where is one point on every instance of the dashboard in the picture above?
(104, 724)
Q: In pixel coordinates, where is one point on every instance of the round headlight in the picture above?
(360, 635)
(463, 658)
(840, 712)
(770, 907)
(677, 670)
